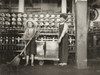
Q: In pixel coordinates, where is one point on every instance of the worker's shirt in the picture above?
(29, 33)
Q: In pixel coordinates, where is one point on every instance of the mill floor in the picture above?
(51, 69)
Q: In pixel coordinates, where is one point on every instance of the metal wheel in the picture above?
(55, 62)
(41, 62)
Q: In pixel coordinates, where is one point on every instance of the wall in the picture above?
(45, 7)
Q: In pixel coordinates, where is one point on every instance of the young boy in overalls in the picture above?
(30, 32)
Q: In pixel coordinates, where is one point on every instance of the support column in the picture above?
(63, 6)
(21, 6)
(82, 26)
(94, 46)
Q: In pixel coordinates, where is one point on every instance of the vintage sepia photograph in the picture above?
(49, 37)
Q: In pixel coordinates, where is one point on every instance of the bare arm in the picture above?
(65, 30)
(25, 34)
